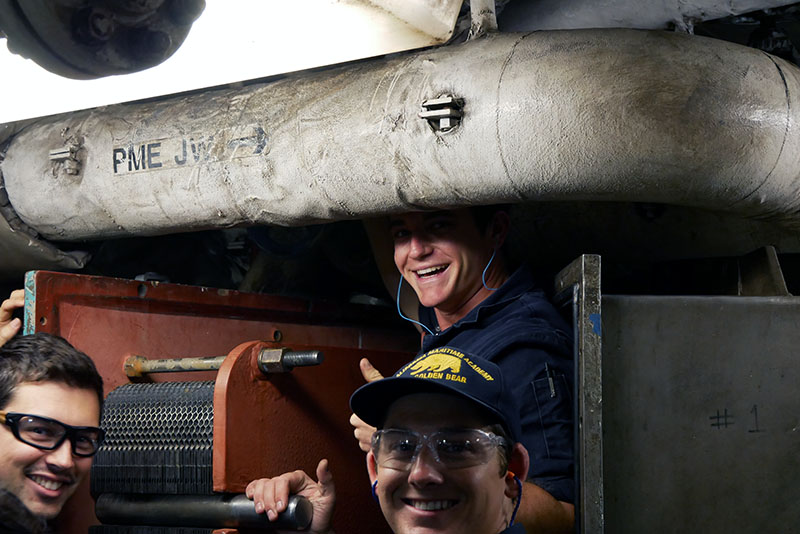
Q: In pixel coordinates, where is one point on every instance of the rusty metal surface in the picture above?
(112, 319)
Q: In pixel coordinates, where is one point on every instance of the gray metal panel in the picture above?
(701, 414)
(580, 282)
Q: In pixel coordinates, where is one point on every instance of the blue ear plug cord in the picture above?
(401, 313)
(519, 500)
(483, 274)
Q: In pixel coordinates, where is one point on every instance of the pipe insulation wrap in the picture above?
(607, 115)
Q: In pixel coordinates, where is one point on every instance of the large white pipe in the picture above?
(620, 115)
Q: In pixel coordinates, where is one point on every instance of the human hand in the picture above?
(272, 494)
(368, 371)
(361, 430)
(9, 325)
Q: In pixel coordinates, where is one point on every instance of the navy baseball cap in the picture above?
(442, 370)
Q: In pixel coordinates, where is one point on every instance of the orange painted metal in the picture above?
(265, 425)
(112, 319)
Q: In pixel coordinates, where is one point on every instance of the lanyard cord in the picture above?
(399, 311)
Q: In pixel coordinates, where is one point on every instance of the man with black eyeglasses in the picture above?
(50, 401)
(443, 459)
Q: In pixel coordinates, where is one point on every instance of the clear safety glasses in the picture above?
(48, 434)
(454, 449)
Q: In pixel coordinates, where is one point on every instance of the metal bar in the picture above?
(205, 511)
(136, 366)
(582, 279)
(270, 361)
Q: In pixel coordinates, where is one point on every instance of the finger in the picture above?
(280, 497)
(362, 432)
(368, 371)
(325, 477)
(364, 436)
(356, 421)
(9, 330)
(250, 489)
(14, 301)
(258, 491)
(17, 297)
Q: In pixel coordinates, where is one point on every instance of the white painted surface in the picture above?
(235, 40)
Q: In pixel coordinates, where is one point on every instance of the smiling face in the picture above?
(442, 256)
(430, 498)
(44, 480)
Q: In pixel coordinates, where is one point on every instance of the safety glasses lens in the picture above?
(397, 449)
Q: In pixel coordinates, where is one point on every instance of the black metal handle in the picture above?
(205, 511)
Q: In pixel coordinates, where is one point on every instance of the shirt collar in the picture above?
(521, 281)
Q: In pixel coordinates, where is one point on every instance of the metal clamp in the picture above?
(443, 113)
(68, 156)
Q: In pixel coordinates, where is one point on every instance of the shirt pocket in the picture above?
(553, 399)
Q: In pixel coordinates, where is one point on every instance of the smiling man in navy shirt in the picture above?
(469, 300)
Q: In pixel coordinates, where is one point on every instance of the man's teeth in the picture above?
(47, 483)
(432, 505)
(431, 270)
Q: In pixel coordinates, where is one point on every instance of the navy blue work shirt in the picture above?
(520, 330)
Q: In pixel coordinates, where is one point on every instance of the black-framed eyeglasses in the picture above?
(48, 434)
(455, 449)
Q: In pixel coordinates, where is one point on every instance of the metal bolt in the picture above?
(101, 26)
(284, 360)
(92, 27)
(72, 167)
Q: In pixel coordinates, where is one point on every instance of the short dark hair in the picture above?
(483, 215)
(45, 358)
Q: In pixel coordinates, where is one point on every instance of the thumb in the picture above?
(324, 476)
(9, 330)
(369, 372)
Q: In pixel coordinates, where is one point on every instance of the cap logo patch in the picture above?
(442, 364)
(436, 363)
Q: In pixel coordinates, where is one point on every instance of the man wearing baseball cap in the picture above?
(443, 459)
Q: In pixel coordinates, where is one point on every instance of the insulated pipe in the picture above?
(620, 115)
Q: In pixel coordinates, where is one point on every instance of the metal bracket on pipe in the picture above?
(443, 113)
(67, 156)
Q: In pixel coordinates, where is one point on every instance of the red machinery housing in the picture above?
(264, 424)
